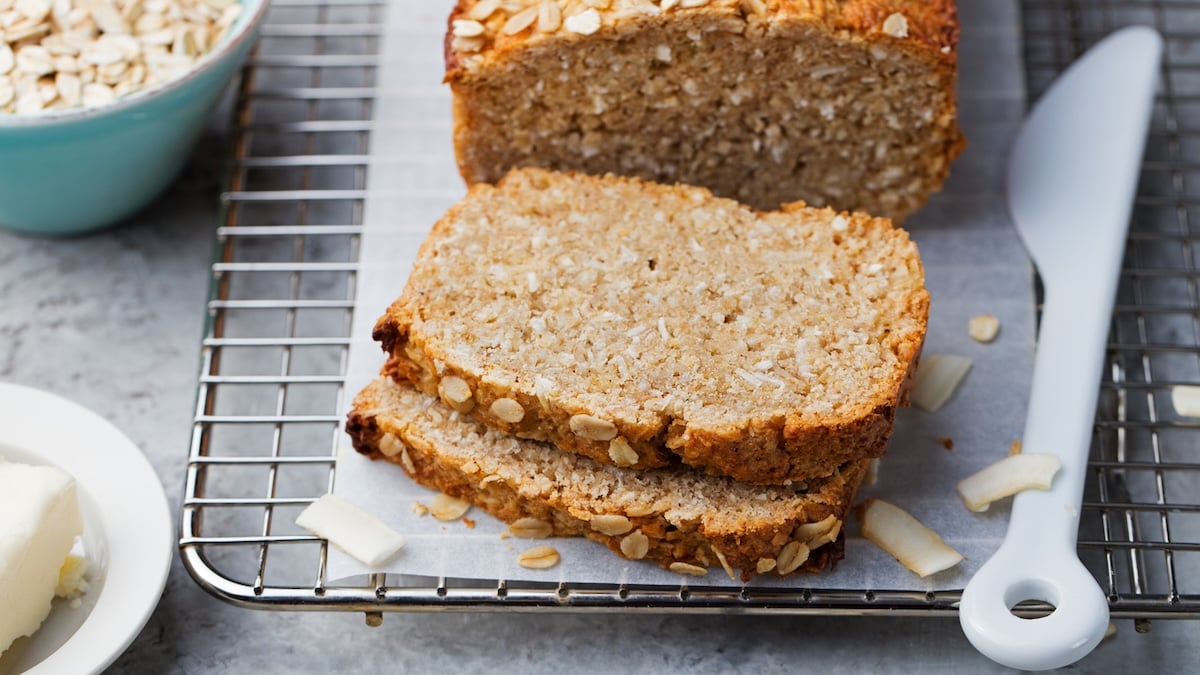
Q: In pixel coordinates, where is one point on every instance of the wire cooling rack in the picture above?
(265, 433)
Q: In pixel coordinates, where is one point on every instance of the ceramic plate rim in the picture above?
(133, 511)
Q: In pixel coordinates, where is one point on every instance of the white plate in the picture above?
(128, 532)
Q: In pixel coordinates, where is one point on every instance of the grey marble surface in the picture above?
(113, 321)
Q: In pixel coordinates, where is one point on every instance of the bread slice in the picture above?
(670, 516)
(641, 325)
(845, 103)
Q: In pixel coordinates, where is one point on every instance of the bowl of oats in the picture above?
(102, 100)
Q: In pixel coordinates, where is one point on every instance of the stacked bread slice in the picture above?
(674, 374)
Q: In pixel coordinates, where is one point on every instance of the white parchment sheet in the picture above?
(974, 265)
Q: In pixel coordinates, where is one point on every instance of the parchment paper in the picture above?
(974, 265)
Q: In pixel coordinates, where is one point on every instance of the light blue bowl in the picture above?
(72, 171)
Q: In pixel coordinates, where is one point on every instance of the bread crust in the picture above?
(383, 415)
(768, 447)
(932, 25)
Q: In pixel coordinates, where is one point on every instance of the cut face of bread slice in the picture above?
(643, 325)
(669, 516)
(849, 104)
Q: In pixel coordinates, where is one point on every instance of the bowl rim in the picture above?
(243, 29)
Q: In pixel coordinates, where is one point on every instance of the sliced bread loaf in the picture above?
(845, 103)
(671, 516)
(640, 324)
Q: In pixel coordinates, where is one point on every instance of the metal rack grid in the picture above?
(265, 433)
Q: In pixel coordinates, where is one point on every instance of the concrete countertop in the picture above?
(113, 321)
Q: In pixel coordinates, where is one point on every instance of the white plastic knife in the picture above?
(1071, 183)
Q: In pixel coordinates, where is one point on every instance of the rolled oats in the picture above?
(688, 568)
(592, 428)
(819, 533)
(483, 9)
(35, 60)
(90, 52)
(621, 453)
(530, 528)
(508, 410)
(896, 25)
(33, 10)
(611, 525)
(467, 28)
(28, 103)
(389, 445)
(549, 16)
(635, 545)
(793, 555)
(456, 393)
(406, 461)
(7, 58)
(585, 23)
(520, 21)
(724, 564)
(983, 328)
(445, 507)
(538, 558)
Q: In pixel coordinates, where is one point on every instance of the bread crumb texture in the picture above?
(847, 103)
(642, 324)
(672, 515)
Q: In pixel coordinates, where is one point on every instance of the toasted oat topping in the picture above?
(549, 16)
(584, 23)
(59, 54)
(896, 25)
(488, 20)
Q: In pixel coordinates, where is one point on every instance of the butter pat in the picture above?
(71, 583)
(39, 521)
(360, 534)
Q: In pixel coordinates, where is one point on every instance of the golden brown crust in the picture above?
(381, 418)
(932, 26)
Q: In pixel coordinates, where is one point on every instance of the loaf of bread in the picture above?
(842, 103)
(641, 324)
(672, 516)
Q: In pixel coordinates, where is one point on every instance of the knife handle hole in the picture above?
(1031, 599)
